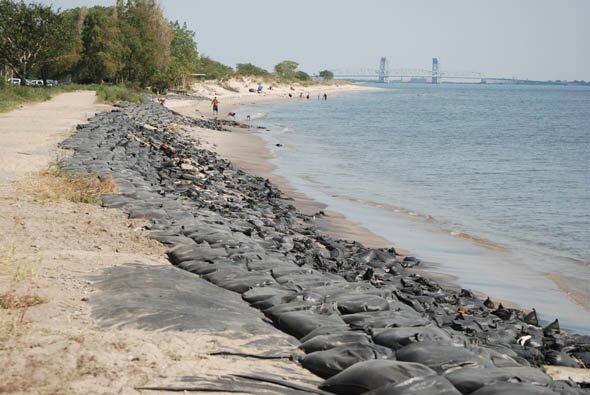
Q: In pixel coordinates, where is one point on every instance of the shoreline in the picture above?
(251, 153)
(237, 231)
(247, 150)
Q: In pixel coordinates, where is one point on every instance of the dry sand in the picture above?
(89, 336)
(235, 93)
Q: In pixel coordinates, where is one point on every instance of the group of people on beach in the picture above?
(324, 96)
(215, 102)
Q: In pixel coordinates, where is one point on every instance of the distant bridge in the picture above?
(434, 75)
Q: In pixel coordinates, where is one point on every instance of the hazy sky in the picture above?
(535, 39)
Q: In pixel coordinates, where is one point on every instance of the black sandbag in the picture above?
(259, 294)
(429, 385)
(368, 375)
(327, 363)
(584, 357)
(146, 213)
(441, 357)
(300, 323)
(199, 267)
(568, 387)
(307, 295)
(361, 303)
(468, 380)
(266, 264)
(326, 342)
(246, 282)
(280, 272)
(331, 329)
(171, 239)
(275, 311)
(182, 253)
(513, 389)
(396, 338)
(305, 280)
(499, 359)
(385, 319)
(215, 237)
(270, 302)
(225, 273)
(115, 201)
(559, 358)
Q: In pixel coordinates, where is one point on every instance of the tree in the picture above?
(250, 69)
(147, 36)
(326, 74)
(102, 53)
(65, 54)
(214, 70)
(183, 50)
(29, 34)
(302, 76)
(286, 69)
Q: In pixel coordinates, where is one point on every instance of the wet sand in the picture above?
(246, 150)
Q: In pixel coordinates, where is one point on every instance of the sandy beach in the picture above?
(90, 285)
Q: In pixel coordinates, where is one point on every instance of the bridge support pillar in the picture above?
(435, 74)
(383, 69)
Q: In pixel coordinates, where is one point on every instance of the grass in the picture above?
(11, 300)
(12, 96)
(115, 93)
(54, 185)
(14, 304)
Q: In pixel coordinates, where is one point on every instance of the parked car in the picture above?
(15, 81)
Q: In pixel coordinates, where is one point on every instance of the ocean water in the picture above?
(490, 183)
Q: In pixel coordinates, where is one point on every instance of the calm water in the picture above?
(492, 183)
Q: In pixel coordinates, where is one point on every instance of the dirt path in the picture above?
(89, 304)
(29, 134)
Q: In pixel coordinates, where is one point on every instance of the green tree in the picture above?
(65, 53)
(29, 34)
(302, 76)
(102, 53)
(213, 69)
(146, 34)
(326, 74)
(250, 69)
(183, 50)
(286, 69)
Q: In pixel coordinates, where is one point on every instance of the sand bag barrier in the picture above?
(360, 313)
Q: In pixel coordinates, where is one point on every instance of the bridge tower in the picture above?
(435, 73)
(383, 69)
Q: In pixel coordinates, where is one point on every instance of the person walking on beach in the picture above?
(215, 103)
(325, 96)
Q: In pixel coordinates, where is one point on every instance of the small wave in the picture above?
(426, 218)
(479, 240)
(258, 115)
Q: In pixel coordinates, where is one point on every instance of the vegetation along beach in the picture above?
(207, 197)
